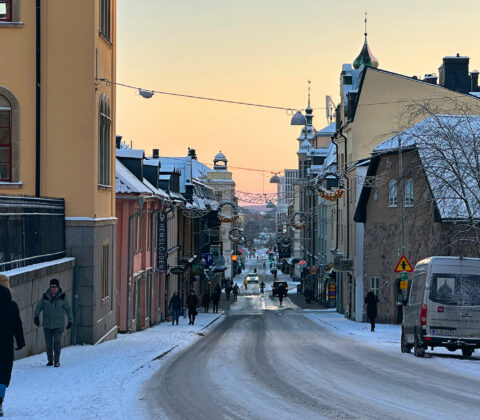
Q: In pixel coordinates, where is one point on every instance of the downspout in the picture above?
(37, 98)
(74, 304)
(337, 208)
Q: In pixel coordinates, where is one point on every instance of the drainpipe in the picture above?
(337, 209)
(74, 304)
(37, 98)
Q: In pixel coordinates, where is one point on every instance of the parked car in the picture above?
(276, 285)
(252, 278)
(443, 307)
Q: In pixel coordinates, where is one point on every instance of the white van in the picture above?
(443, 307)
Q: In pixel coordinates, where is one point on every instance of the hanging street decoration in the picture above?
(299, 220)
(226, 218)
(235, 234)
(333, 196)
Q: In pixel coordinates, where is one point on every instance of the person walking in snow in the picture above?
(176, 306)
(235, 291)
(206, 302)
(215, 299)
(371, 300)
(54, 305)
(192, 303)
(281, 291)
(10, 326)
(262, 287)
(228, 290)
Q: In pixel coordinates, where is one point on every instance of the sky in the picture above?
(264, 52)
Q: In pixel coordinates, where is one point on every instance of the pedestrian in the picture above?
(281, 292)
(206, 302)
(176, 306)
(10, 326)
(54, 305)
(192, 303)
(371, 300)
(228, 290)
(308, 295)
(215, 299)
(235, 291)
(245, 283)
(262, 287)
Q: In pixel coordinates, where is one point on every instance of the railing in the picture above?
(32, 230)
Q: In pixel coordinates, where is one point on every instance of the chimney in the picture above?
(192, 154)
(454, 74)
(474, 81)
(155, 153)
(118, 140)
(430, 78)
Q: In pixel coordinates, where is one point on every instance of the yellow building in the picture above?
(374, 106)
(58, 124)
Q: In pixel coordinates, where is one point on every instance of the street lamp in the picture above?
(275, 179)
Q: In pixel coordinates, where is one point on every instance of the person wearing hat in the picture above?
(10, 326)
(55, 305)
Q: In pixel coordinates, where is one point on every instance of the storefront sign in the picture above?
(162, 242)
(332, 290)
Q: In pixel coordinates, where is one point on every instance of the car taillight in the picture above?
(441, 309)
(423, 314)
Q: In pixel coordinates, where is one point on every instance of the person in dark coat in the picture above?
(192, 303)
(228, 289)
(54, 305)
(235, 291)
(206, 302)
(215, 299)
(10, 326)
(176, 306)
(371, 301)
(281, 292)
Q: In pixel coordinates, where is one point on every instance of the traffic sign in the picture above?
(302, 262)
(313, 270)
(403, 265)
(404, 284)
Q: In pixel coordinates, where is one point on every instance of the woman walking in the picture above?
(10, 326)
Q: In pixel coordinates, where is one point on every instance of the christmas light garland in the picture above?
(332, 196)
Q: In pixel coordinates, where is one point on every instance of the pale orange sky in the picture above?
(264, 51)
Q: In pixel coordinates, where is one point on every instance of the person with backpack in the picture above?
(176, 306)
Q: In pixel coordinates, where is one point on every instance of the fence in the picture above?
(32, 230)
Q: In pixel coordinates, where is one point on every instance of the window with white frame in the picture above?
(104, 127)
(392, 193)
(374, 285)
(409, 193)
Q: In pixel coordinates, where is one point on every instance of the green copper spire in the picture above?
(365, 58)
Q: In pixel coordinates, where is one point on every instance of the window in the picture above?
(392, 193)
(104, 123)
(105, 271)
(374, 282)
(5, 141)
(137, 233)
(105, 19)
(409, 193)
(149, 229)
(6, 10)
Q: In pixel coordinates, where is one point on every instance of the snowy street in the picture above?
(255, 361)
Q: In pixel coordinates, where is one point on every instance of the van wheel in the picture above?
(467, 352)
(403, 345)
(418, 349)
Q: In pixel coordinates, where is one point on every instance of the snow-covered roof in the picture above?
(329, 130)
(158, 191)
(310, 133)
(448, 149)
(165, 177)
(127, 183)
(130, 153)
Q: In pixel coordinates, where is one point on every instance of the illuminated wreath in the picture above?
(299, 220)
(334, 196)
(225, 218)
(235, 234)
(285, 241)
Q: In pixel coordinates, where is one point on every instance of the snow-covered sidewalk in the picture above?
(102, 381)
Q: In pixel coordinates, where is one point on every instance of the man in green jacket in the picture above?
(54, 304)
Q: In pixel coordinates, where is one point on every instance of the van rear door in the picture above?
(444, 299)
(469, 309)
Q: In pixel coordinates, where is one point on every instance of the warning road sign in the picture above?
(403, 265)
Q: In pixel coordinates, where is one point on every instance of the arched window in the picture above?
(392, 193)
(104, 124)
(9, 139)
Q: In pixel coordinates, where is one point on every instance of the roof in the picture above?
(127, 183)
(130, 153)
(329, 130)
(447, 146)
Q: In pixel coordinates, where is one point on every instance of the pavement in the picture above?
(299, 300)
